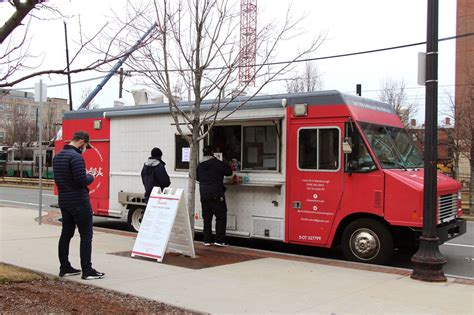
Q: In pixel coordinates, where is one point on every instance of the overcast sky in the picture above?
(351, 26)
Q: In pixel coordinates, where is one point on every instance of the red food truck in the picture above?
(320, 169)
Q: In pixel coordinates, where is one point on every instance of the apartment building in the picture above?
(19, 114)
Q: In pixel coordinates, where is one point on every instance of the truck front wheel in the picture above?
(135, 216)
(367, 240)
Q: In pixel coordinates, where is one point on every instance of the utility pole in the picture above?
(68, 73)
(121, 82)
(41, 98)
(428, 261)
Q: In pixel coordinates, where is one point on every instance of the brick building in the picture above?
(444, 148)
(464, 97)
(18, 117)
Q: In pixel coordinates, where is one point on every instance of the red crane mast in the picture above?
(248, 42)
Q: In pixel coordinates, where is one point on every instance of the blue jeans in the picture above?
(80, 216)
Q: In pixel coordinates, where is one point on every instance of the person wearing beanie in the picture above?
(154, 173)
(210, 175)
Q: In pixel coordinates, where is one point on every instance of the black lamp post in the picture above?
(428, 261)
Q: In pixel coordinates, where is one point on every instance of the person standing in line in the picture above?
(73, 197)
(154, 173)
(210, 175)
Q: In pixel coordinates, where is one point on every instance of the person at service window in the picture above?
(154, 173)
(210, 175)
(73, 197)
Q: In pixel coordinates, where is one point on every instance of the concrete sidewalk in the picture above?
(266, 285)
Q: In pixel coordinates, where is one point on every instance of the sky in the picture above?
(350, 26)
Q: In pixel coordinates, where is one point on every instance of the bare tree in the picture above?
(85, 92)
(17, 64)
(18, 125)
(308, 81)
(20, 129)
(393, 93)
(22, 9)
(196, 46)
(52, 121)
(461, 140)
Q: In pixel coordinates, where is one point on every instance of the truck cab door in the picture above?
(363, 177)
(314, 175)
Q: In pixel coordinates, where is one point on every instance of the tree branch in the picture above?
(22, 10)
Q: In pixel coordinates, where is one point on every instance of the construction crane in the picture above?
(90, 97)
(248, 42)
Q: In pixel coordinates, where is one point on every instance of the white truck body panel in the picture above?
(255, 209)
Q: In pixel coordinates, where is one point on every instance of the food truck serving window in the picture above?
(318, 149)
(248, 147)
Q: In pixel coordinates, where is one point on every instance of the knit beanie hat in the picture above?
(156, 153)
(207, 150)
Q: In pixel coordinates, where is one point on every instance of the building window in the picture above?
(182, 153)
(318, 149)
(247, 147)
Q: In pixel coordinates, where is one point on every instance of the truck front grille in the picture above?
(447, 207)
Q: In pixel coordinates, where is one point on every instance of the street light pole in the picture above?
(68, 70)
(428, 261)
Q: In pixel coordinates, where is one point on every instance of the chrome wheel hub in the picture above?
(364, 244)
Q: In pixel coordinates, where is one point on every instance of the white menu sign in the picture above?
(185, 154)
(157, 226)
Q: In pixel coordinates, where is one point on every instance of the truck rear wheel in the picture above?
(135, 216)
(367, 240)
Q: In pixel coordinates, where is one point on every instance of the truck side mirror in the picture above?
(346, 146)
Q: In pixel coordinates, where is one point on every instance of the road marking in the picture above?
(460, 245)
(23, 203)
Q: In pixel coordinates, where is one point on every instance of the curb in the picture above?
(468, 217)
(25, 186)
(51, 217)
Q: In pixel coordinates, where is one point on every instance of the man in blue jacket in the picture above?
(154, 173)
(210, 175)
(73, 197)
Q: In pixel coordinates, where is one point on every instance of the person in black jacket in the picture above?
(73, 197)
(210, 175)
(154, 173)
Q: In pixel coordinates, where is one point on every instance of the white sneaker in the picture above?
(220, 244)
(207, 244)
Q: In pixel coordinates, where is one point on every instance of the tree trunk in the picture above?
(193, 161)
(456, 166)
(21, 164)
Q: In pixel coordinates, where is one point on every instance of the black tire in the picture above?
(367, 241)
(135, 216)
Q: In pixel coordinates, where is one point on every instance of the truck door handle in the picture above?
(296, 204)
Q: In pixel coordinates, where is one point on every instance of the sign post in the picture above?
(165, 226)
(41, 98)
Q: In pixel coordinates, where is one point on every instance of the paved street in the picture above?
(460, 251)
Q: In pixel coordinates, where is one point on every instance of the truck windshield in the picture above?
(392, 146)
